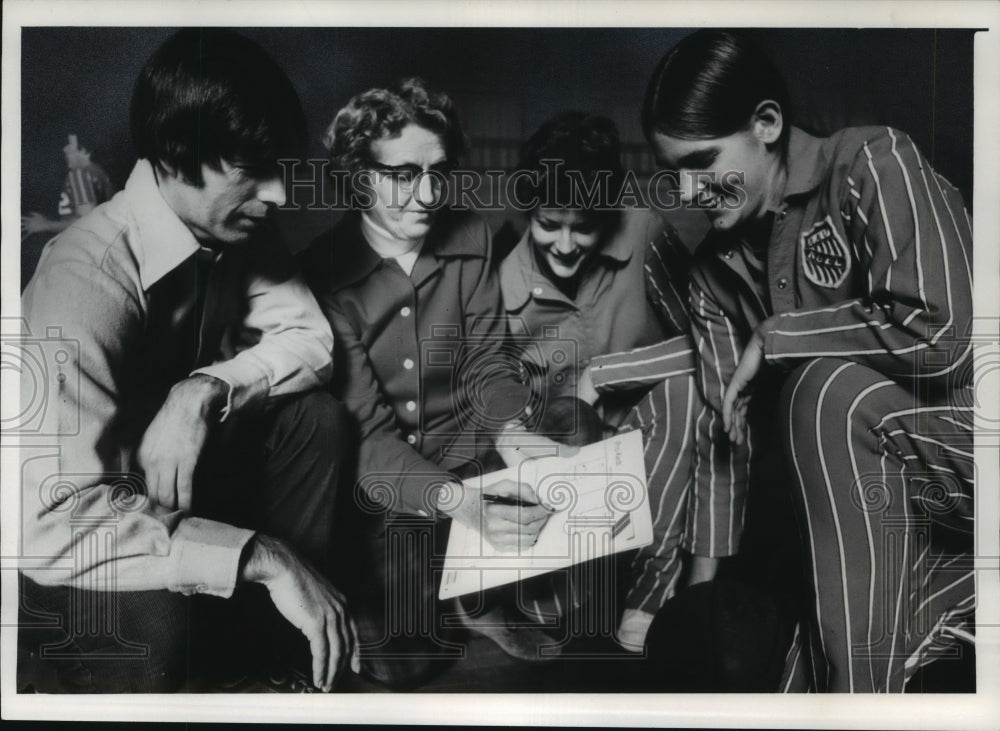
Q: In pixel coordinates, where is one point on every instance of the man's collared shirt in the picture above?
(125, 303)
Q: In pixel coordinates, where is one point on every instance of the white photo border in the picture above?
(981, 710)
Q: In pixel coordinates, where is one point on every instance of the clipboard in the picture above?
(601, 507)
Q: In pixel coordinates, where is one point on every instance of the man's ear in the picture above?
(768, 122)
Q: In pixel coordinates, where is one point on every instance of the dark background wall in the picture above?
(505, 81)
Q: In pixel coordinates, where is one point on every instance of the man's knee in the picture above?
(306, 445)
(101, 642)
(315, 417)
(311, 437)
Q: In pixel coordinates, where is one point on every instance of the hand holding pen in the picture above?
(513, 515)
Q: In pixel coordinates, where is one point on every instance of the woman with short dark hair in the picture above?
(610, 285)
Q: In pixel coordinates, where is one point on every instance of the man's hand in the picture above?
(310, 603)
(735, 401)
(585, 390)
(173, 442)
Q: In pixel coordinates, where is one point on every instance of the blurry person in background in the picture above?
(196, 453)
(826, 300)
(86, 186)
(613, 282)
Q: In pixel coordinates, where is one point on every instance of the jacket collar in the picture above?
(520, 277)
(352, 259)
(807, 165)
(619, 249)
(806, 162)
(163, 241)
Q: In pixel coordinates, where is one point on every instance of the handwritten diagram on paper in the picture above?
(601, 507)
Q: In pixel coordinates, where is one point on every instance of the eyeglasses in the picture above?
(407, 175)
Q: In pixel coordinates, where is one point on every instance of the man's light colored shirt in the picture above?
(114, 314)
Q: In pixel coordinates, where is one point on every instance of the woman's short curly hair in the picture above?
(380, 113)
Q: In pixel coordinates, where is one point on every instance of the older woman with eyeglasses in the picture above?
(420, 330)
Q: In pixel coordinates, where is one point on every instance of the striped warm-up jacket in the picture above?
(869, 260)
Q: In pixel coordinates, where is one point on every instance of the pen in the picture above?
(504, 500)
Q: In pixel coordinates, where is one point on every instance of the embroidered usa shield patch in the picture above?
(826, 260)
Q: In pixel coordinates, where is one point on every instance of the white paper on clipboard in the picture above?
(601, 505)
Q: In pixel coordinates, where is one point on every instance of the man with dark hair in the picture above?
(179, 404)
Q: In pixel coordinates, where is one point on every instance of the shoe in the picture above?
(633, 628)
(276, 681)
(518, 639)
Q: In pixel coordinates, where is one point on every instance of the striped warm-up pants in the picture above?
(666, 417)
(883, 483)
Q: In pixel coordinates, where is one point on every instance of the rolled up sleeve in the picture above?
(284, 343)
